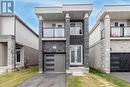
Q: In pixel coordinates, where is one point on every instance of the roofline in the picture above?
(102, 11)
(63, 5)
(21, 21)
(93, 28)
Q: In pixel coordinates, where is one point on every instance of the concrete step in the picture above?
(77, 71)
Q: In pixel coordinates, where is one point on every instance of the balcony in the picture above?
(54, 33)
(120, 32)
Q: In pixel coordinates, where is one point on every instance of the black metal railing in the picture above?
(120, 32)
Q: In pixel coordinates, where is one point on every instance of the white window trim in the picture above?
(81, 56)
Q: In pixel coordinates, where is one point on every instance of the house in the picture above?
(18, 44)
(63, 38)
(110, 40)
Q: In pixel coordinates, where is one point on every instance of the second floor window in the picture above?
(76, 28)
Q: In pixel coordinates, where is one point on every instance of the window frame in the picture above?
(76, 63)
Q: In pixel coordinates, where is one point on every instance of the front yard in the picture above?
(96, 79)
(14, 78)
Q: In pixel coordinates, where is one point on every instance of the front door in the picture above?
(76, 57)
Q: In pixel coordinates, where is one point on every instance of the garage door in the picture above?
(55, 63)
(120, 62)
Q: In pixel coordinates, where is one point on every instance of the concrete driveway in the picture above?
(122, 75)
(45, 80)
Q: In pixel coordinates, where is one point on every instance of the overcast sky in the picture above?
(25, 8)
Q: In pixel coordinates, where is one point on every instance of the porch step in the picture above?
(3, 70)
(77, 71)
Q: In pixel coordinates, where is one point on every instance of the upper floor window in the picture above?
(102, 34)
(116, 24)
(76, 28)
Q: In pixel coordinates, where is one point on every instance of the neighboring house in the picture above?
(64, 37)
(110, 39)
(18, 43)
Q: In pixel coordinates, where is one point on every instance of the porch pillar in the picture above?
(86, 41)
(11, 54)
(67, 33)
(107, 43)
(41, 62)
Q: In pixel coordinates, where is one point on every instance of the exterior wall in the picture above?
(48, 46)
(30, 56)
(6, 25)
(97, 56)
(120, 46)
(76, 40)
(95, 36)
(25, 37)
(3, 54)
(49, 23)
(125, 22)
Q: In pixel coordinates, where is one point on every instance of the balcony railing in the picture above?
(120, 31)
(54, 32)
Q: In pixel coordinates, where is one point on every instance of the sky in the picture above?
(25, 8)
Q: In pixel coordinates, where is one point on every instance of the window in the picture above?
(18, 56)
(76, 28)
(116, 24)
(59, 26)
(102, 34)
(53, 25)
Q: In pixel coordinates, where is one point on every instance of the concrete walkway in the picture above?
(45, 80)
(122, 75)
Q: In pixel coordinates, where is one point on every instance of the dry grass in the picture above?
(14, 78)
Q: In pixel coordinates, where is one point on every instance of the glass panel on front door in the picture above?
(76, 55)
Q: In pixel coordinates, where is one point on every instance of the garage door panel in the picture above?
(120, 62)
(54, 62)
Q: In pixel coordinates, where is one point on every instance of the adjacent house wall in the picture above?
(6, 25)
(29, 41)
(97, 48)
(25, 37)
(120, 46)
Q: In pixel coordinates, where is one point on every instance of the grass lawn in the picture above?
(96, 79)
(111, 78)
(14, 78)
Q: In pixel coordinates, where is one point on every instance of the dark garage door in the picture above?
(55, 63)
(120, 62)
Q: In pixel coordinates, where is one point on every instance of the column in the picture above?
(86, 41)
(67, 33)
(107, 42)
(41, 62)
(11, 53)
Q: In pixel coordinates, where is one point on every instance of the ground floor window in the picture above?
(76, 55)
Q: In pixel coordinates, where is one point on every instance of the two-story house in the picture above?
(110, 39)
(18, 43)
(63, 38)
